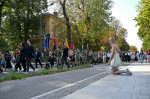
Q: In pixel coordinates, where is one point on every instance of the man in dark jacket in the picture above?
(29, 55)
(65, 56)
(37, 57)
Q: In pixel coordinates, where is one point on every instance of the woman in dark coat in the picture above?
(51, 58)
(21, 58)
(7, 57)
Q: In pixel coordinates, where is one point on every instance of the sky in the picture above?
(125, 11)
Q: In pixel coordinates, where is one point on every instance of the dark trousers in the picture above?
(107, 59)
(18, 64)
(1, 69)
(129, 58)
(126, 58)
(38, 61)
(24, 65)
(29, 64)
(8, 64)
(64, 60)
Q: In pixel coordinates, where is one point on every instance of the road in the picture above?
(53, 86)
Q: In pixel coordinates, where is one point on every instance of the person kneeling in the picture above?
(114, 60)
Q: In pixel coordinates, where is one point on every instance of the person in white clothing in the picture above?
(104, 57)
(137, 55)
(133, 56)
(115, 69)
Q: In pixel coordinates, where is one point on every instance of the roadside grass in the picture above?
(18, 76)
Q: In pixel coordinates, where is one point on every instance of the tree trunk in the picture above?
(67, 22)
(1, 7)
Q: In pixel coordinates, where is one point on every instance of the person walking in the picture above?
(95, 55)
(104, 57)
(7, 57)
(38, 57)
(145, 56)
(1, 58)
(18, 59)
(138, 54)
(29, 55)
(132, 56)
(71, 57)
(23, 52)
(59, 57)
(51, 58)
(77, 58)
(129, 57)
(141, 56)
(46, 58)
(126, 57)
(148, 55)
(65, 56)
(84, 56)
(114, 60)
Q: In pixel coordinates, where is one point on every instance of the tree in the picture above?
(143, 21)
(1, 9)
(91, 22)
(133, 48)
(21, 20)
(63, 5)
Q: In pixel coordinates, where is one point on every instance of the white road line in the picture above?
(44, 94)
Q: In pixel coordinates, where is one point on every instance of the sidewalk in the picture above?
(136, 86)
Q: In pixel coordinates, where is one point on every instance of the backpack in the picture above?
(8, 57)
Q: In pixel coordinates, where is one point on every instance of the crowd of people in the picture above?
(25, 56)
(127, 56)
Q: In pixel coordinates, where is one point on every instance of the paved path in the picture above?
(53, 85)
(136, 86)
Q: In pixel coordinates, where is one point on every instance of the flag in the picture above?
(82, 47)
(67, 43)
(87, 46)
(45, 42)
(54, 44)
(48, 37)
(71, 46)
(63, 43)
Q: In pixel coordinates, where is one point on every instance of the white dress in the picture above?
(132, 55)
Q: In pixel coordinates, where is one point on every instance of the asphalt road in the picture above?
(36, 87)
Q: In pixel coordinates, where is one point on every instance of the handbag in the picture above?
(115, 62)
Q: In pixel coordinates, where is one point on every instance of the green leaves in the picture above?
(143, 21)
(21, 20)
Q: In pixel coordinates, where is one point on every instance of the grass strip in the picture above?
(17, 76)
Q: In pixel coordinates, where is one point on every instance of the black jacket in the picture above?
(22, 53)
(29, 52)
(38, 55)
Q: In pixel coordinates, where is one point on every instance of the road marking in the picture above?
(44, 94)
